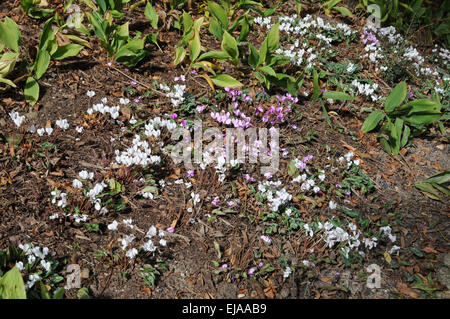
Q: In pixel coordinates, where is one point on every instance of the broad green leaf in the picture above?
(440, 178)
(263, 52)
(66, 51)
(10, 34)
(59, 293)
(7, 62)
(151, 15)
(372, 121)
(47, 35)
(225, 80)
(187, 22)
(180, 53)
(31, 90)
(229, 45)
(330, 4)
(221, 55)
(79, 40)
(268, 70)
(425, 118)
(396, 97)
(316, 86)
(292, 169)
(405, 136)
(215, 28)
(253, 56)
(334, 95)
(8, 82)
(44, 292)
(194, 47)
(344, 11)
(385, 144)
(12, 286)
(42, 62)
(219, 13)
(273, 38)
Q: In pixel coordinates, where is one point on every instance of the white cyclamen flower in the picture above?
(113, 225)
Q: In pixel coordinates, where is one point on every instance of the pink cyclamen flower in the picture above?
(251, 271)
(173, 116)
(410, 95)
(224, 266)
(183, 123)
(266, 239)
(215, 201)
(170, 229)
(190, 173)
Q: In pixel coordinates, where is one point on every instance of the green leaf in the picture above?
(385, 144)
(405, 136)
(219, 13)
(10, 34)
(229, 45)
(416, 251)
(316, 86)
(214, 55)
(273, 38)
(31, 90)
(340, 96)
(215, 28)
(224, 80)
(253, 56)
(292, 169)
(440, 178)
(263, 50)
(151, 15)
(344, 11)
(350, 212)
(396, 97)
(66, 51)
(330, 4)
(83, 293)
(268, 70)
(180, 53)
(78, 40)
(425, 118)
(12, 286)
(372, 121)
(187, 23)
(44, 292)
(195, 45)
(47, 35)
(42, 62)
(59, 293)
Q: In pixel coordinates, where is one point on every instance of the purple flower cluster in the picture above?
(302, 164)
(369, 37)
(228, 118)
(235, 94)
